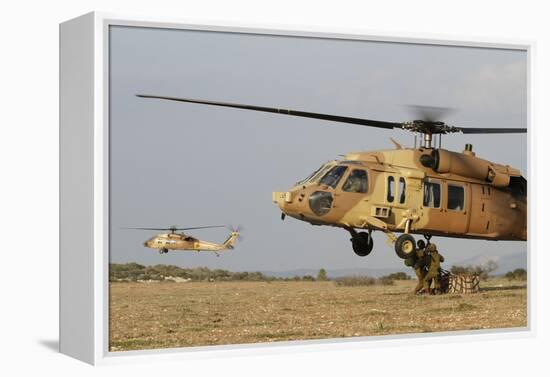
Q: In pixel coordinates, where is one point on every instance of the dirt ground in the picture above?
(159, 315)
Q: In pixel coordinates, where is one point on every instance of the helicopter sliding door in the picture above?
(457, 206)
(432, 206)
(446, 205)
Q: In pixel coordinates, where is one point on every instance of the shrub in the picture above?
(322, 275)
(482, 270)
(517, 274)
(385, 280)
(355, 281)
(397, 276)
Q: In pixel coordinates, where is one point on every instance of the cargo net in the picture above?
(460, 283)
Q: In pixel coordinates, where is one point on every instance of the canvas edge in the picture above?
(76, 188)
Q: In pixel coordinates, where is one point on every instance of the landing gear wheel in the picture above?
(405, 246)
(163, 251)
(362, 243)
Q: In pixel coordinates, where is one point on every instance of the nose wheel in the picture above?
(163, 251)
(361, 243)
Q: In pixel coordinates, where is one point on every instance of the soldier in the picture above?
(435, 260)
(419, 265)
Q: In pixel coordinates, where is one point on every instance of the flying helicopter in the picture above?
(425, 190)
(173, 240)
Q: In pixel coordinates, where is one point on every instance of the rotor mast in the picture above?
(427, 140)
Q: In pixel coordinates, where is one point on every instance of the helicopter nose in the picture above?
(279, 198)
(286, 202)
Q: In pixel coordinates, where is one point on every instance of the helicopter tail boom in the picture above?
(230, 241)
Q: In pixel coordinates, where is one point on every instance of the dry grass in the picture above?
(158, 315)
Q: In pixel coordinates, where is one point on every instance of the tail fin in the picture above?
(231, 240)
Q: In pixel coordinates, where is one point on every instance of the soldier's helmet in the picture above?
(431, 247)
(421, 244)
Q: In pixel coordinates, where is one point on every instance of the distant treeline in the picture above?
(162, 272)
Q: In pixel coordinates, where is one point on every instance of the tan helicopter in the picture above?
(181, 241)
(426, 190)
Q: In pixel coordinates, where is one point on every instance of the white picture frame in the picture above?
(84, 192)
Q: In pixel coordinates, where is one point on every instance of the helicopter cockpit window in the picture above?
(455, 198)
(313, 177)
(391, 189)
(432, 194)
(357, 182)
(402, 187)
(333, 176)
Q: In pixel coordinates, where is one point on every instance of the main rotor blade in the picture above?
(304, 114)
(428, 125)
(201, 227)
(147, 228)
(175, 228)
(429, 113)
(466, 130)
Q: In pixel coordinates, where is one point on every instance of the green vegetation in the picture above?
(361, 281)
(517, 274)
(163, 272)
(355, 281)
(482, 270)
(133, 272)
(322, 275)
(397, 276)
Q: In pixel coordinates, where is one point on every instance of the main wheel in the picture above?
(362, 244)
(405, 246)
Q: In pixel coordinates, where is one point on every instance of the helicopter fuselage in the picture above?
(181, 241)
(420, 191)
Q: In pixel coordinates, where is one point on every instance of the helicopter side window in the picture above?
(455, 198)
(333, 176)
(357, 182)
(432, 194)
(402, 188)
(391, 189)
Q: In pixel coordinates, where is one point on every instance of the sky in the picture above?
(194, 165)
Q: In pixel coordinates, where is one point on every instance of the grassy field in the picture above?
(158, 315)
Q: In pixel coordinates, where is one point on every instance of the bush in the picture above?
(385, 280)
(322, 275)
(517, 274)
(355, 281)
(482, 270)
(397, 276)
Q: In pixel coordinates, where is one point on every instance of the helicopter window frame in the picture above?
(363, 181)
(436, 200)
(320, 173)
(402, 190)
(332, 179)
(313, 177)
(390, 189)
(451, 198)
